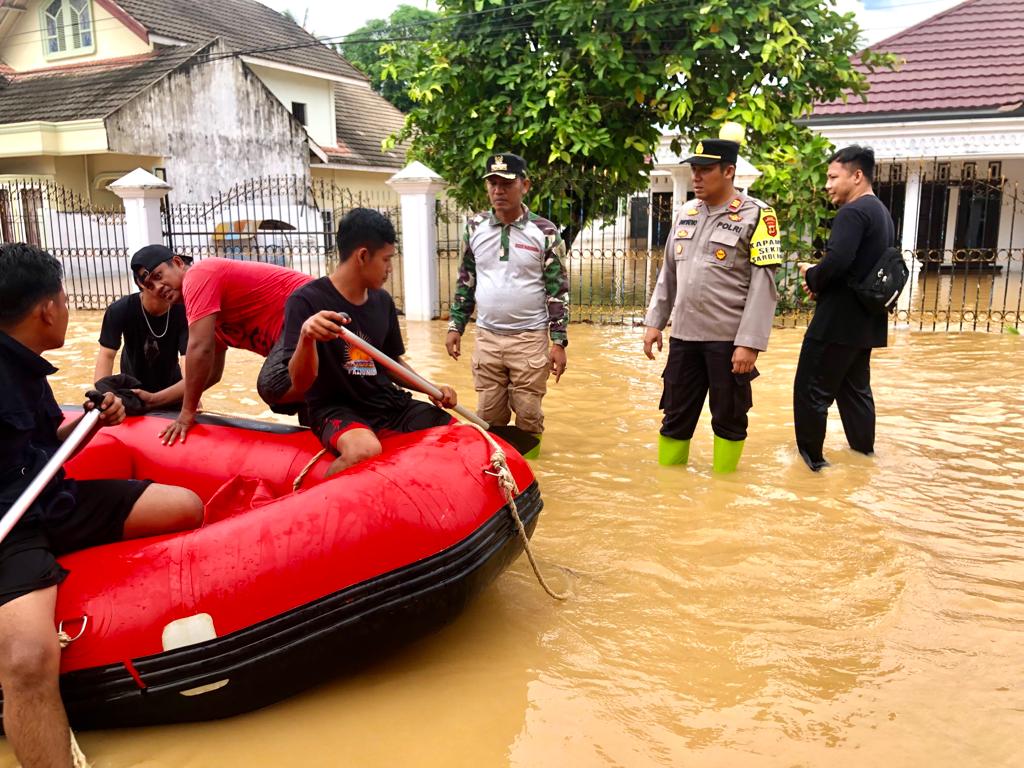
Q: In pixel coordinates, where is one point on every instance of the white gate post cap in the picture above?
(139, 183)
(416, 178)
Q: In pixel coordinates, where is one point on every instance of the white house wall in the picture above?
(215, 124)
(316, 93)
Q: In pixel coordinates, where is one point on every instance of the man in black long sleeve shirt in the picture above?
(835, 357)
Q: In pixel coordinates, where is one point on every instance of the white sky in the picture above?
(880, 19)
(331, 17)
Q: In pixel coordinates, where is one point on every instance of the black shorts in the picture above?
(331, 423)
(28, 557)
(274, 380)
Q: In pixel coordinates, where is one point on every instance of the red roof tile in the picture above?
(969, 57)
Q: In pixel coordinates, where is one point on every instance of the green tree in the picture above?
(403, 30)
(583, 90)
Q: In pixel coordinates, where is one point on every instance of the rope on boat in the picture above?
(507, 483)
(78, 758)
(305, 470)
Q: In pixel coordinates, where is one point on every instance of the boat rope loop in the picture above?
(305, 470)
(65, 639)
(507, 483)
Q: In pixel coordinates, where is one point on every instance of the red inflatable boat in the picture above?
(279, 590)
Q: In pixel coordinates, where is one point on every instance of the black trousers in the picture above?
(694, 369)
(830, 373)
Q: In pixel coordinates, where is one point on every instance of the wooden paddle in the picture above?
(519, 439)
(80, 435)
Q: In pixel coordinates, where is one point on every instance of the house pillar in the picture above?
(141, 192)
(680, 186)
(908, 241)
(417, 187)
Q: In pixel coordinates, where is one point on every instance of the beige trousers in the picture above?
(510, 373)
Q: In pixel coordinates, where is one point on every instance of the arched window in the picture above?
(68, 27)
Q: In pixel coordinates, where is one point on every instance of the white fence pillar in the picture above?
(417, 186)
(141, 192)
(908, 241)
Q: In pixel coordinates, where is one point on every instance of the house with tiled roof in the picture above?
(948, 126)
(204, 94)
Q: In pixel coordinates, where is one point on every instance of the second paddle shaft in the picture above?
(406, 375)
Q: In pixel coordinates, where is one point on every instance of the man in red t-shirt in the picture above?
(227, 304)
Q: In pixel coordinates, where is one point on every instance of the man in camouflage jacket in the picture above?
(513, 274)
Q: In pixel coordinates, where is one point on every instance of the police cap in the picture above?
(712, 151)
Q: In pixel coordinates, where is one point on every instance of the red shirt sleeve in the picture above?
(201, 291)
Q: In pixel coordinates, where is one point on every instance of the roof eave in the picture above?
(904, 116)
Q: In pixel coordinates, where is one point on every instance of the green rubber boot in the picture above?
(727, 454)
(672, 451)
(534, 453)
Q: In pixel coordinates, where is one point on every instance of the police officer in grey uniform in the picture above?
(717, 287)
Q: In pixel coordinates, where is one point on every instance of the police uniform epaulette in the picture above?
(759, 203)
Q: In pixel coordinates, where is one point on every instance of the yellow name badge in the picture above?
(765, 248)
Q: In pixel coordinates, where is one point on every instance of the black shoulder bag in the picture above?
(879, 289)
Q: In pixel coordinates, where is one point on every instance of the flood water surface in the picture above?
(869, 615)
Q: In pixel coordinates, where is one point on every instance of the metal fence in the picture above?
(613, 265)
(967, 265)
(286, 220)
(88, 240)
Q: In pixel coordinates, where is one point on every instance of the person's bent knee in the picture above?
(358, 445)
(29, 662)
(164, 509)
(184, 508)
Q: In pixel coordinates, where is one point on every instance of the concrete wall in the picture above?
(18, 167)
(215, 124)
(24, 47)
(370, 185)
(316, 93)
(86, 175)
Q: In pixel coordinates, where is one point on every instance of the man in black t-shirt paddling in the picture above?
(350, 399)
(835, 359)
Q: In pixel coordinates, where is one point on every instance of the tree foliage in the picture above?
(403, 31)
(584, 90)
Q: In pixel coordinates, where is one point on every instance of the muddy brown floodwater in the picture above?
(872, 615)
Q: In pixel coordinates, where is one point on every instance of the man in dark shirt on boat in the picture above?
(67, 516)
(835, 359)
(155, 334)
(350, 399)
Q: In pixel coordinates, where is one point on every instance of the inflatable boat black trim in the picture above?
(304, 647)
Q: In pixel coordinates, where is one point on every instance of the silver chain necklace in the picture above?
(145, 317)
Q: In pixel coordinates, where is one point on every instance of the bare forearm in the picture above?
(172, 394)
(199, 366)
(104, 364)
(303, 366)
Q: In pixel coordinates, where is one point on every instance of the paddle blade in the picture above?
(520, 439)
